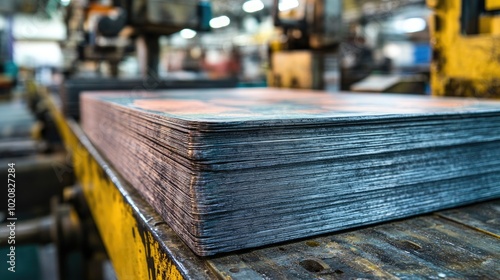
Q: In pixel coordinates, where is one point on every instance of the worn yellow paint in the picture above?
(134, 253)
(464, 65)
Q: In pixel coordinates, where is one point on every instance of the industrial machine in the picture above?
(308, 51)
(106, 33)
(466, 48)
(456, 243)
(334, 45)
(141, 246)
(103, 32)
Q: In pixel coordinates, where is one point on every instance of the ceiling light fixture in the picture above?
(219, 22)
(253, 6)
(412, 25)
(286, 5)
(187, 33)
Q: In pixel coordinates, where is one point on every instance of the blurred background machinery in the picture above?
(466, 48)
(52, 50)
(365, 46)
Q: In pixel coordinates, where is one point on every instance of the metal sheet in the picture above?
(71, 89)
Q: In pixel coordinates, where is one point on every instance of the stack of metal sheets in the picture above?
(233, 169)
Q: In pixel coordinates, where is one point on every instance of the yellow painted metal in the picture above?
(485, 24)
(489, 24)
(492, 5)
(495, 26)
(133, 252)
(117, 225)
(463, 65)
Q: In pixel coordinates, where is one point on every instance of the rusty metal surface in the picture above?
(430, 247)
(482, 217)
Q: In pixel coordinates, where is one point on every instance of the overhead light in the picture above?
(65, 2)
(219, 22)
(392, 51)
(253, 6)
(412, 25)
(286, 5)
(187, 33)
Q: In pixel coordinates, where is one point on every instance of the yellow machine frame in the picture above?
(464, 65)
